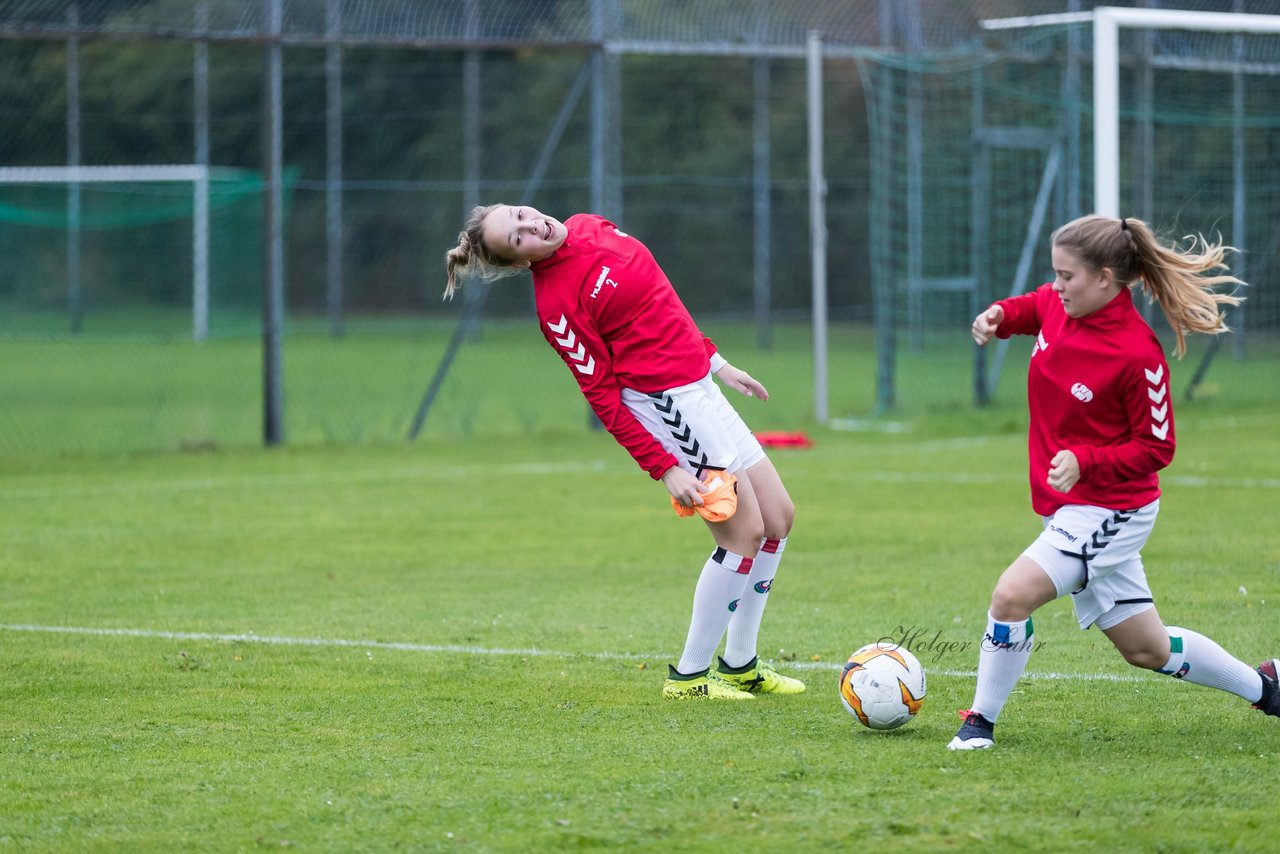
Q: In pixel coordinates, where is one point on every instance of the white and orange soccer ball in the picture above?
(883, 685)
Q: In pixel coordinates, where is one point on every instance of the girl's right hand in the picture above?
(683, 486)
(985, 324)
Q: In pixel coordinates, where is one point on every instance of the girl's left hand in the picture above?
(1064, 471)
(742, 381)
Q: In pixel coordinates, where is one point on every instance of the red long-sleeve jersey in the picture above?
(1097, 386)
(607, 308)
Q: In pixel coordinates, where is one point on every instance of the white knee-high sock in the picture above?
(744, 625)
(1001, 660)
(719, 588)
(1198, 659)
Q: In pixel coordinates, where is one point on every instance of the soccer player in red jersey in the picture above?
(606, 307)
(1101, 428)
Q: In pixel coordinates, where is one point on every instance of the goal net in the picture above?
(165, 250)
(978, 156)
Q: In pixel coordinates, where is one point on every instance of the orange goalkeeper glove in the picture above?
(719, 502)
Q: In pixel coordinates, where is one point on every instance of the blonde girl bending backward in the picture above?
(1101, 428)
(608, 311)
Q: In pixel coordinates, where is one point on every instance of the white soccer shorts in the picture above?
(698, 425)
(1094, 554)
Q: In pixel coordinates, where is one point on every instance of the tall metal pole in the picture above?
(606, 114)
(273, 220)
(762, 204)
(472, 147)
(980, 227)
(334, 237)
(74, 298)
(200, 201)
(762, 200)
(471, 111)
(883, 260)
(1071, 119)
(817, 225)
(915, 182)
(599, 111)
(1144, 149)
(1239, 227)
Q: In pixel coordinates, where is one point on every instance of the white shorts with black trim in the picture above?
(1094, 554)
(698, 425)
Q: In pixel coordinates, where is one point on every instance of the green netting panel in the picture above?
(976, 158)
(115, 368)
(924, 260)
(136, 244)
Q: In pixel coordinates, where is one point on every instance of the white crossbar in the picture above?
(99, 174)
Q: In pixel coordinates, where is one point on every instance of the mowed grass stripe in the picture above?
(534, 469)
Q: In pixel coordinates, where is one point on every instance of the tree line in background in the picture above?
(687, 152)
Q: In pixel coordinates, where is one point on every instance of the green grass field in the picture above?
(458, 644)
(135, 384)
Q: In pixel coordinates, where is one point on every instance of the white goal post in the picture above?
(195, 174)
(1107, 21)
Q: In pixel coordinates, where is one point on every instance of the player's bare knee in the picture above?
(1009, 603)
(757, 537)
(741, 548)
(740, 535)
(1145, 657)
(749, 542)
(781, 518)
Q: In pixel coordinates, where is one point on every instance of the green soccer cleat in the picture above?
(704, 686)
(756, 677)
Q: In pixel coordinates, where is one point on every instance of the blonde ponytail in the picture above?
(471, 257)
(1182, 279)
(459, 257)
